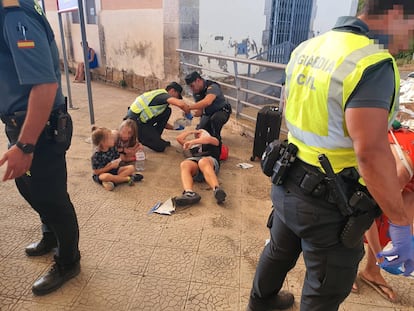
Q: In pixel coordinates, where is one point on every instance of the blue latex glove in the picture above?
(402, 251)
(179, 128)
(189, 116)
(408, 267)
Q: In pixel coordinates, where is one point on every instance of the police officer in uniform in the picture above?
(210, 103)
(342, 90)
(151, 112)
(39, 130)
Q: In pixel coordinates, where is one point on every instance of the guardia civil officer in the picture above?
(151, 112)
(210, 104)
(39, 130)
(342, 90)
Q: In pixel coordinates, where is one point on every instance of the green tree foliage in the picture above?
(403, 57)
(360, 5)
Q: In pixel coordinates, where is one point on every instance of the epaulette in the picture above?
(11, 4)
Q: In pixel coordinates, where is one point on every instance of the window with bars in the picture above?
(89, 11)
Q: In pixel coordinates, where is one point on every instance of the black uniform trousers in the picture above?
(214, 123)
(149, 133)
(45, 189)
(308, 225)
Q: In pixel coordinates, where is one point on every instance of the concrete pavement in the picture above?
(200, 258)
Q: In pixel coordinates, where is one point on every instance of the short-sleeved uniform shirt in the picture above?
(376, 88)
(218, 103)
(28, 55)
(160, 100)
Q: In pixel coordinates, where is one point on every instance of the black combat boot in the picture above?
(55, 278)
(44, 246)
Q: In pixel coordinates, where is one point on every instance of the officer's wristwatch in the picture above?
(26, 148)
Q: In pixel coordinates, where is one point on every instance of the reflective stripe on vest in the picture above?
(321, 76)
(141, 105)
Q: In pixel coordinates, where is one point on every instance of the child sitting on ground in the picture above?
(106, 160)
(126, 141)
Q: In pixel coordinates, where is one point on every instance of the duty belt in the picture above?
(308, 180)
(16, 119)
(226, 108)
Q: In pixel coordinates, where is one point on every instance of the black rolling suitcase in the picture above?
(268, 123)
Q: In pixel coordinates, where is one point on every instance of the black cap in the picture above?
(191, 77)
(176, 86)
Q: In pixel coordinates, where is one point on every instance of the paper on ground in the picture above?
(166, 208)
(244, 165)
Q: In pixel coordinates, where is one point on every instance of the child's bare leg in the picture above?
(80, 73)
(117, 179)
(188, 170)
(127, 170)
(207, 168)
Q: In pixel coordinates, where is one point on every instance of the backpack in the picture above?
(224, 153)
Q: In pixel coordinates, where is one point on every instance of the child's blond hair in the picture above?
(99, 134)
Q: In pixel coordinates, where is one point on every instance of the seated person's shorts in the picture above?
(95, 178)
(199, 177)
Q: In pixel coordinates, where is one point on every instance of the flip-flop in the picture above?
(378, 287)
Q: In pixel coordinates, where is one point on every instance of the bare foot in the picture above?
(377, 282)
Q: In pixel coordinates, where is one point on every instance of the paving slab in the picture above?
(200, 258)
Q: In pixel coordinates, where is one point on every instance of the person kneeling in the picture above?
(203, 164)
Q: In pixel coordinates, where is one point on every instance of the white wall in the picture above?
(234, 21)
(239, 20)
(328, 11)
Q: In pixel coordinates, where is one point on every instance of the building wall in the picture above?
(172, 35)
(232, 28)
(136, 40)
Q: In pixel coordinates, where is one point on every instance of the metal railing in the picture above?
(246, 89)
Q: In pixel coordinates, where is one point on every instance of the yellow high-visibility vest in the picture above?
(141, 105)
(320, 77)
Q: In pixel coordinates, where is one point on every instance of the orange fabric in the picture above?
(383, 225)
(405, 139)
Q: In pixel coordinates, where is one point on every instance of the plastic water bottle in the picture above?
(179, 124)
(188, 119)
(140, 160)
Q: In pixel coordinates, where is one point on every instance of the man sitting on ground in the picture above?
(203, 164)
